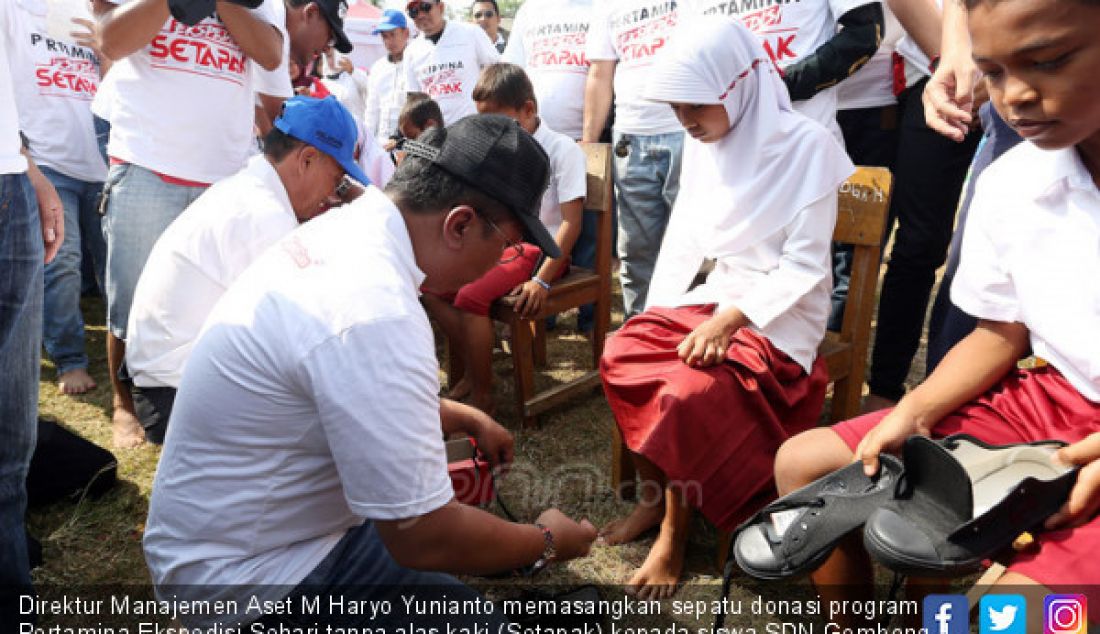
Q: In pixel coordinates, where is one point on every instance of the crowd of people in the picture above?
(275, 233)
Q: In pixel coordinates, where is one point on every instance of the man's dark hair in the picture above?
(496, 7)
(420, 186)
(504, 84)
(419, 110)
(278, 145)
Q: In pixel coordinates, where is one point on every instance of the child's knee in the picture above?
(808, 456)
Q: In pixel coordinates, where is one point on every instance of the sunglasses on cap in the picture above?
(484, 14)
(416, 9)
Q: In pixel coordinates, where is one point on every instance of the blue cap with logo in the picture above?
(391, 19)
(327, 126)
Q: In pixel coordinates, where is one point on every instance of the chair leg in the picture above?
(624, 474)
(540, 342)
(523, 364)
(847, 394)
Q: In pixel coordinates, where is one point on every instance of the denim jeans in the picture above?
(140, 206)
(647, 180)
(21, 257)
(359, 568)
(62, 322)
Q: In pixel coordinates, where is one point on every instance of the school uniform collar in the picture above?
(262, 170)
(1063, 172)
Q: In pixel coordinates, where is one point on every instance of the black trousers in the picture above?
(929, 171)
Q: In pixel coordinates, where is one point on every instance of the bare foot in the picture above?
(645, 516)
(659, 575)
(127, 429)
(76, 381)
(459, 390)
(874, 402)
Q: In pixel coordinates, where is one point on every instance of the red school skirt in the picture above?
(712, 431)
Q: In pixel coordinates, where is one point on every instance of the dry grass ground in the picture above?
(564, 463)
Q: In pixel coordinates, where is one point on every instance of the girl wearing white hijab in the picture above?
(708, 382)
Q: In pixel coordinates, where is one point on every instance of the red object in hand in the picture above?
(469, 471)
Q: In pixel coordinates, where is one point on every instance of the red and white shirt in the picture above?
(183, 104)
(448, 70)
(548, 40)
(55, 81)
(631, 32)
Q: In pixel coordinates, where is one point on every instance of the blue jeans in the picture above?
(140, 206)
(647, 180)
(359, 568)
(21, 257)
(62, 322)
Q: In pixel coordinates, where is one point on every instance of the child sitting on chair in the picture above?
(708, 382)
(523, 272)
(1028, 253)
(419, 113)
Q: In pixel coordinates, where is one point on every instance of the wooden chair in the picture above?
(863, 201)
(579, 287)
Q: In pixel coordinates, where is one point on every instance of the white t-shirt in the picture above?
(873, 85)
(1031, 254)
(791, 31)
(781, 283)
(375, 162)
(276, 83)
(548, 40)
(55, 82)
(309, 404)
(184, 103)
(11, 159)
(195, 261)
(631, 32)
(567, 174)
(448, 71)
(386, 96)
(350, 89)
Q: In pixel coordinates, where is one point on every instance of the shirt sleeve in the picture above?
(414, 59)
(804, 262)
(572, 182)
(514, 51)
(373, 109)
(599, 45)
(486, 51)
(982, 287)
(840, 7)
(376, 396)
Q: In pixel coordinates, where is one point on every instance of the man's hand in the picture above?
(1084, 498)
(948, 97)
(530, 298)
(887, 437)
(50, 211)
(571, 539)
(494, 442)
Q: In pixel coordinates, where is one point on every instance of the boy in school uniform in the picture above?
(524, 270)
(1033, 230)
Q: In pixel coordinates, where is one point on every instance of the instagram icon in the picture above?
(1065, 614)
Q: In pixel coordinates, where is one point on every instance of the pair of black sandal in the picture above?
(939, 511)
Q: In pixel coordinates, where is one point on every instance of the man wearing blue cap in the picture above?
(386, 83)
(197, 258)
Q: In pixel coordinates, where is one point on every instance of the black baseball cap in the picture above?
(335, 11)
(491, 153)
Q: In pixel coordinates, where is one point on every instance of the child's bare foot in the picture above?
(126, 429)
(459, 390)
(76, 381)
(659, 575)
(646, 515)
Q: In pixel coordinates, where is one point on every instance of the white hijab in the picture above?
(752, 182)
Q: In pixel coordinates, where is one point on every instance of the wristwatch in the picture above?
(549, 553)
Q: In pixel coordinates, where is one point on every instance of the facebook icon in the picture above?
(946, 614)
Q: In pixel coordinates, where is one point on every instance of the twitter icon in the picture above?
(1003, 614)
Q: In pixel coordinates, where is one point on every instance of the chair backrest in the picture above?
(863, 202)
(598, 199)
